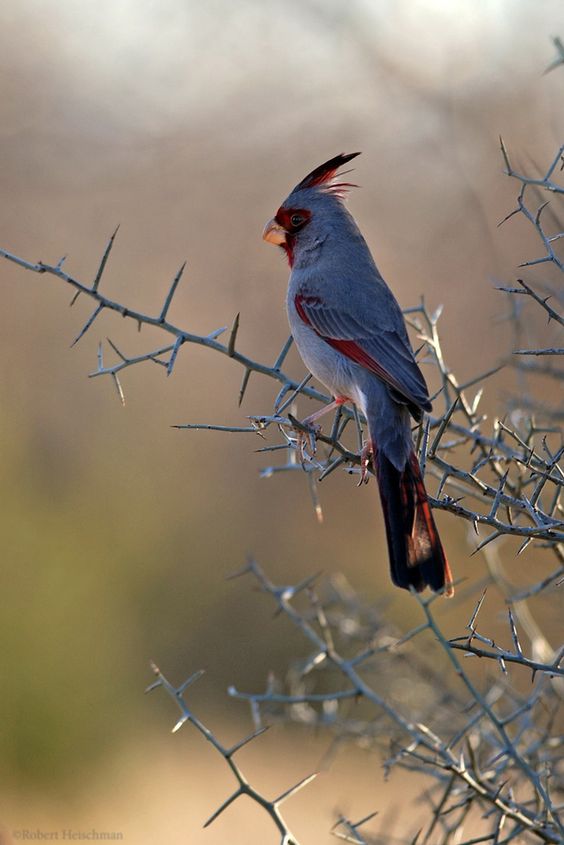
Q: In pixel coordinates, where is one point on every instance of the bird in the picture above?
(351, 334)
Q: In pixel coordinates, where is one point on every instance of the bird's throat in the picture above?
(288, 247)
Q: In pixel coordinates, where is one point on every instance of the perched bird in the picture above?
(351, 335)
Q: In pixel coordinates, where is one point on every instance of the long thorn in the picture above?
(171, 293)
(104, 260)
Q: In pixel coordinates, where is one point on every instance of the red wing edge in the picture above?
(349, 348)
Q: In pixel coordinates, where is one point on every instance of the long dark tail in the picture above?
(417, 558)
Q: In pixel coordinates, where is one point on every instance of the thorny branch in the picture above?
(512, 471)
(500, 738)
(270, 806)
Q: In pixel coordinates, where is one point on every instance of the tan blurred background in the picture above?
(187, 123)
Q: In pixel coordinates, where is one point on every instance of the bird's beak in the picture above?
(274, 233)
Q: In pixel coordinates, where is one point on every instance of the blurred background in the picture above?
(188, 123)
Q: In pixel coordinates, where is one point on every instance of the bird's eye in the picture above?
(296, 220)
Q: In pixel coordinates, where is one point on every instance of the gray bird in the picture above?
(351, 334)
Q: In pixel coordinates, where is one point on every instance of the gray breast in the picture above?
(325, 363)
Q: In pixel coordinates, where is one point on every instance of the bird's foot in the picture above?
(306, 437)
(365, 460)
(306, 432)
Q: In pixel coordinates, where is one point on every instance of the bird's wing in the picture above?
(383, 351)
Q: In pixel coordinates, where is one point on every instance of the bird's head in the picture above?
(313, 203)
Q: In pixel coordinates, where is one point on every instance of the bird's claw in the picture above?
(306, 437)
(365, 459)
(307, 441)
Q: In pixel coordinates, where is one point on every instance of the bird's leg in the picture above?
(366, 456)
(302, 436)
(336, 403)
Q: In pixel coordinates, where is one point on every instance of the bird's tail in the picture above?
(417, 558)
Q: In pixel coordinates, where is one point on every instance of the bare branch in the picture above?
(271, 807)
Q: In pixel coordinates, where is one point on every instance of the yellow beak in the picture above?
(274, 233)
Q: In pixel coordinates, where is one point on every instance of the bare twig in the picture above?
(270, 806)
